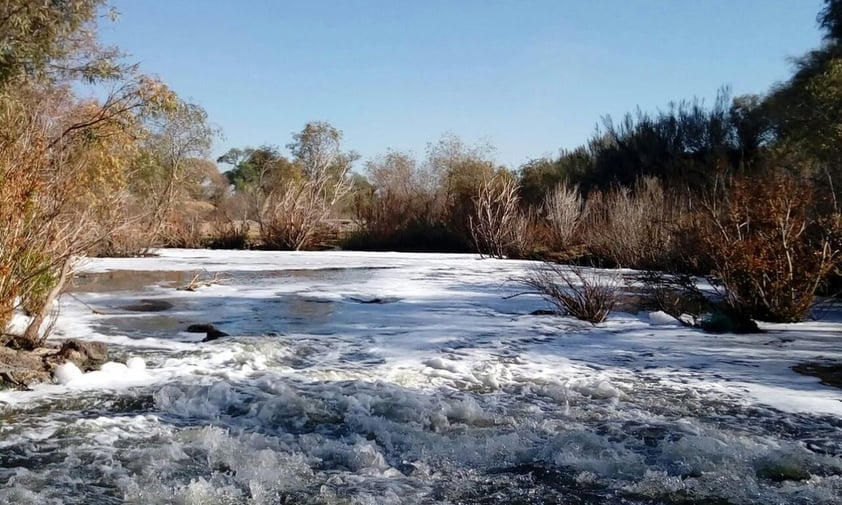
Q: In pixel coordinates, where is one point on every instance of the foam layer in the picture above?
(410, 379)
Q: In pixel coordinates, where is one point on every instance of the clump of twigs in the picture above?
(572, 291)
(199, 282)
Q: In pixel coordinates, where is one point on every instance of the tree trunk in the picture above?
(31, 335)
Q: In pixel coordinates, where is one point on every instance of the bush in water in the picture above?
(572, 291)
(770, 246)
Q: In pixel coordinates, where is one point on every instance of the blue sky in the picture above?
(528, 76)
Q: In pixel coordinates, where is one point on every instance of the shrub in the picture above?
(572, 291)
(564, 209)
(401, 217)
(124, 232)
(296, 212)
(629, 228)
(227, 234)
(412, 205)
(769, 247)
(498, 226)
(186, 225)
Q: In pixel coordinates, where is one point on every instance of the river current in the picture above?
(388, 378)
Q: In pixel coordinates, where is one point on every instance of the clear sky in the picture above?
(528, 76)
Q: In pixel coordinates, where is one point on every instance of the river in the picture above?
(376, 378)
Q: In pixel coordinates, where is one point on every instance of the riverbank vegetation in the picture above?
(97, 158)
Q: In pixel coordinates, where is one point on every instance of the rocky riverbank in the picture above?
(23, 368)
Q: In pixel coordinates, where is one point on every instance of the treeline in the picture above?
(743, 190)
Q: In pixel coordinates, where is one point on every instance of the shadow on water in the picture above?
(286, 313)
(138, 280)
(236, 315)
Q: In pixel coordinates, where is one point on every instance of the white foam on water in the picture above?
(408, 378)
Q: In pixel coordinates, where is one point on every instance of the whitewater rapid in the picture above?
(410, 378)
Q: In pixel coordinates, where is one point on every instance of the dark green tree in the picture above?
(254, 168)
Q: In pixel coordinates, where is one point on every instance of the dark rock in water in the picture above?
(406, 468)
(720, 322)
(200, 328)
(214, 334)
(781, 471)
(148, 306)
(377, 301)
(830, 374)
(545, 312)
(211, 331)
(86, 355)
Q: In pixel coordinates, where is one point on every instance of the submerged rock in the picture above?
(214, 334)
(200, 328)
(830, 374)
(781, 471)
(375, 301)
(211, 332)
(720, 322)
(545, 312)
(148, 306)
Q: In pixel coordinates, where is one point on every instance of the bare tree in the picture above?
(498, 225)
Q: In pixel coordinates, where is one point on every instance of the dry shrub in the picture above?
(498, 225)
(223, 232)
(770, 249)
(391, 213)
(426, 205)
(677, 294)
(228, 226)
(295, 213)
(572, 291)
(125, 233)
(630, 228)
(564, 209)
(186, 226)
(405, 208)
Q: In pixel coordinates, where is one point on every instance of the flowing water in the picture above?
(410, 379)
